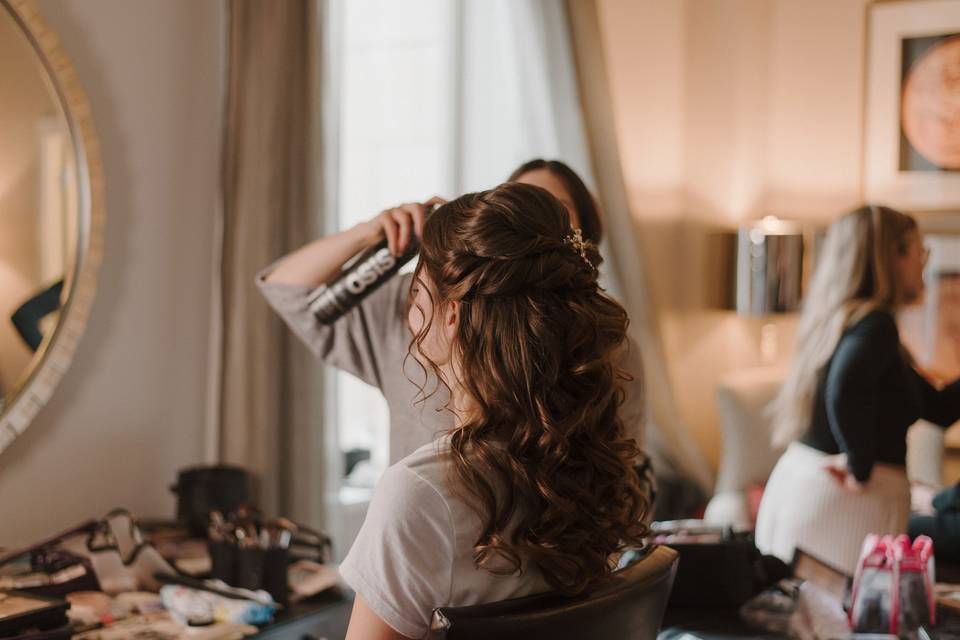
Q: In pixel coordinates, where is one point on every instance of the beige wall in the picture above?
(728, 110)
(129, 412)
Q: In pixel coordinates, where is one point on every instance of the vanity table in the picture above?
(324, 616)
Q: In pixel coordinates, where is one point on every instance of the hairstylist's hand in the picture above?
(842, 476)
(397, 224)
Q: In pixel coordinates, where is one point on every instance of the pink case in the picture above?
(893, 585)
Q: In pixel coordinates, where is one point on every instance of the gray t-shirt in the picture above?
(371, 342)
(414, 552)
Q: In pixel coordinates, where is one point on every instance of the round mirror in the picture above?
(51, 214)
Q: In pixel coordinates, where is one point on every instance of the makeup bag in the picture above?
(893, 586)
(110, 555)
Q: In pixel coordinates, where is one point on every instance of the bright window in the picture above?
(395, 113)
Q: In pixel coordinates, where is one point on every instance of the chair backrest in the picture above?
(743, 399)
(630, 607)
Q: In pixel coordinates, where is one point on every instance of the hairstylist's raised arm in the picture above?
(320, 261)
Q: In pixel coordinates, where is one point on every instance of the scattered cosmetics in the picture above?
(70, 586)
(195, 607)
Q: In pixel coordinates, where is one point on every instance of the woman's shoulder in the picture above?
(427, 473)
(879, 325)
(421, 474)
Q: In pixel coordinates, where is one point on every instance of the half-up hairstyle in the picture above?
(544, 458)
(583, 201)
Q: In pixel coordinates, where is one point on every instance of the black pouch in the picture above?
(718, 568)
(27, 615)
(48, 569)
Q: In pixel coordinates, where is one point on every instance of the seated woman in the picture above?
(851, 394)
(532, 488)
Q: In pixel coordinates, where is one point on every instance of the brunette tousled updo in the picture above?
(544, 458)
(583, 201)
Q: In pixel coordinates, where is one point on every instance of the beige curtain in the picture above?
(266, 390)
(667, 436)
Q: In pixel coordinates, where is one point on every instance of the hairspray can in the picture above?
(359, 279)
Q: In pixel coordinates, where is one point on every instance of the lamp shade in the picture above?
(769, 267)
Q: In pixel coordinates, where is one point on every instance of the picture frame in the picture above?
(911, 160)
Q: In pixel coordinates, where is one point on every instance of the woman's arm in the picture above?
(367, 625)
(320, 261)
(369, 341)
(862, 356)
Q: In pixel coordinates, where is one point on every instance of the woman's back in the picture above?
(415, 551)
(868, 393)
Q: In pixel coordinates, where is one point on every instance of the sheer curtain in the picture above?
(517, 90)
(532, 83)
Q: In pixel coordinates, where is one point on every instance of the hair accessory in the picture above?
(575, 240)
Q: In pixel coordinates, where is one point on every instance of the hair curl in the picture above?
(544, 459)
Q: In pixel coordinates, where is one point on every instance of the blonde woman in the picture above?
(850, 396)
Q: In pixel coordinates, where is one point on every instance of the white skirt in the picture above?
(804, 507)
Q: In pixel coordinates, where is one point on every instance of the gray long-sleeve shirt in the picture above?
(371, 342)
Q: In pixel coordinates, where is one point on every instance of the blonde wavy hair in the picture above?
(857, 274)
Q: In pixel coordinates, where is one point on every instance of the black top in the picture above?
(868, 395)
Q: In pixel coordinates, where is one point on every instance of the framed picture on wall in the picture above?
(912, 105)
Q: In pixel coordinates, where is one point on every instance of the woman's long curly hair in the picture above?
(544, 457)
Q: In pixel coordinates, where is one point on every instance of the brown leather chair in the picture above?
(629, 607)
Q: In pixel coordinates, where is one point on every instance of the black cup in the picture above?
(201, 490)
(251, 568)
(223, 561)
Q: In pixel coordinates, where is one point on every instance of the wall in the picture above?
(728, 110)
(130, 410)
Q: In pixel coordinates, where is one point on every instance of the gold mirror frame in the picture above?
(38, 385)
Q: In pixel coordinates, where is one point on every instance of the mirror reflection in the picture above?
(38, 208)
